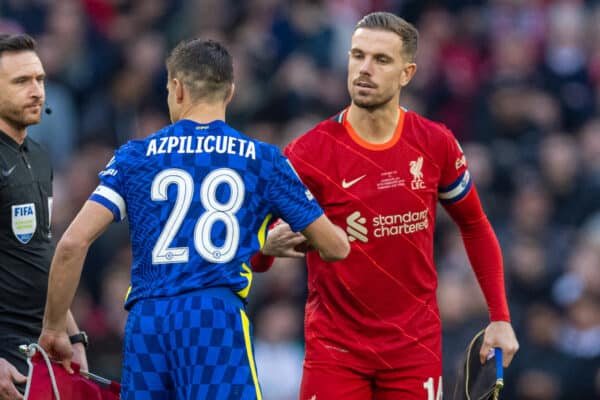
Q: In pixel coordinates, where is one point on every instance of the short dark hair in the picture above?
(205, 67)
(390, 22)
(16, 42)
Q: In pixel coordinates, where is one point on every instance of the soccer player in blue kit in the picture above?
(199, 197)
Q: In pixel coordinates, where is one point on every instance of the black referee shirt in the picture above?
(26, 248)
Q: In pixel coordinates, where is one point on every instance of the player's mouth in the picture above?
(363, 84)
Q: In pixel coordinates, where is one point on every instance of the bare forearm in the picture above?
(65, 272)
(330, 240)
(72, 327)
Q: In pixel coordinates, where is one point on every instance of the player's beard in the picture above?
(372, 103)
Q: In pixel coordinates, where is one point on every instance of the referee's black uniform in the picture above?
(25, 244)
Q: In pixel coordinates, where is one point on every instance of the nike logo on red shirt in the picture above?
(346, 185)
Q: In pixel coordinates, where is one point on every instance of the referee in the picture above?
(25, 206)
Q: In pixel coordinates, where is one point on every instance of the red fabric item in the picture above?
(483, 251)
(260, 262)
(70, 386)
(377, 308)
(338, 381)
(102, 14)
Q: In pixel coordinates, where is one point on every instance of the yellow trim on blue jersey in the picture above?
(246, 329)
(248, 275)
(127, 294)
(262, 236)
(262, 232)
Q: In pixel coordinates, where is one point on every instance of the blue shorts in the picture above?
(194, 346)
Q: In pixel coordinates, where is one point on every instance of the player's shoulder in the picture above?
(137, 147)
(263, 149)
(417, 124)
(331, 126)
(320, 134)
(431, 138)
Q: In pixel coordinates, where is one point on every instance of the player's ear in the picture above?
(179, 90)
(230, 94)
(407, 73)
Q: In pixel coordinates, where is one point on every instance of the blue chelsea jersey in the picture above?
(199, 198)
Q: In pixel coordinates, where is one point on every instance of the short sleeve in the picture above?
(292, 199)
(109, 192)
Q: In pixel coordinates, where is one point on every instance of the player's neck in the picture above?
(374, 126)
(16, 134)
(204, 113)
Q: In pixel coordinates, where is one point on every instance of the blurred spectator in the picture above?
(58, 130)
(559, 165)
(279, 354)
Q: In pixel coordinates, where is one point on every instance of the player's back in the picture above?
(198, 198)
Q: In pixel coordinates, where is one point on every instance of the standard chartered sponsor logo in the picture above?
(400, 224)
(387, 225)
(356, 227)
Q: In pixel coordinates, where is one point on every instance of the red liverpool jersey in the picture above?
(377, 308)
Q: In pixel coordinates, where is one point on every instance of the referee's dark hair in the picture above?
(205, 67)
(16, 42)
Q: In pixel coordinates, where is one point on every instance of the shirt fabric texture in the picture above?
(378, 307)
(27, 248)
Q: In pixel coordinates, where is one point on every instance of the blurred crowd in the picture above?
(517, 81)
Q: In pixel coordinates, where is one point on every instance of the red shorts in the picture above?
(322, 381)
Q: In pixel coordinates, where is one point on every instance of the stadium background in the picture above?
(518, 81)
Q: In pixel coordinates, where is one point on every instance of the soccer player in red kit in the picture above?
(372, 325)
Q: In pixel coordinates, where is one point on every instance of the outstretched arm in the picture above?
(485, 256)
(283, 242)
(328, 239)
(65, 272)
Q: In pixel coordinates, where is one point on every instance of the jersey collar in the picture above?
(9, 141)
(342, 119)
